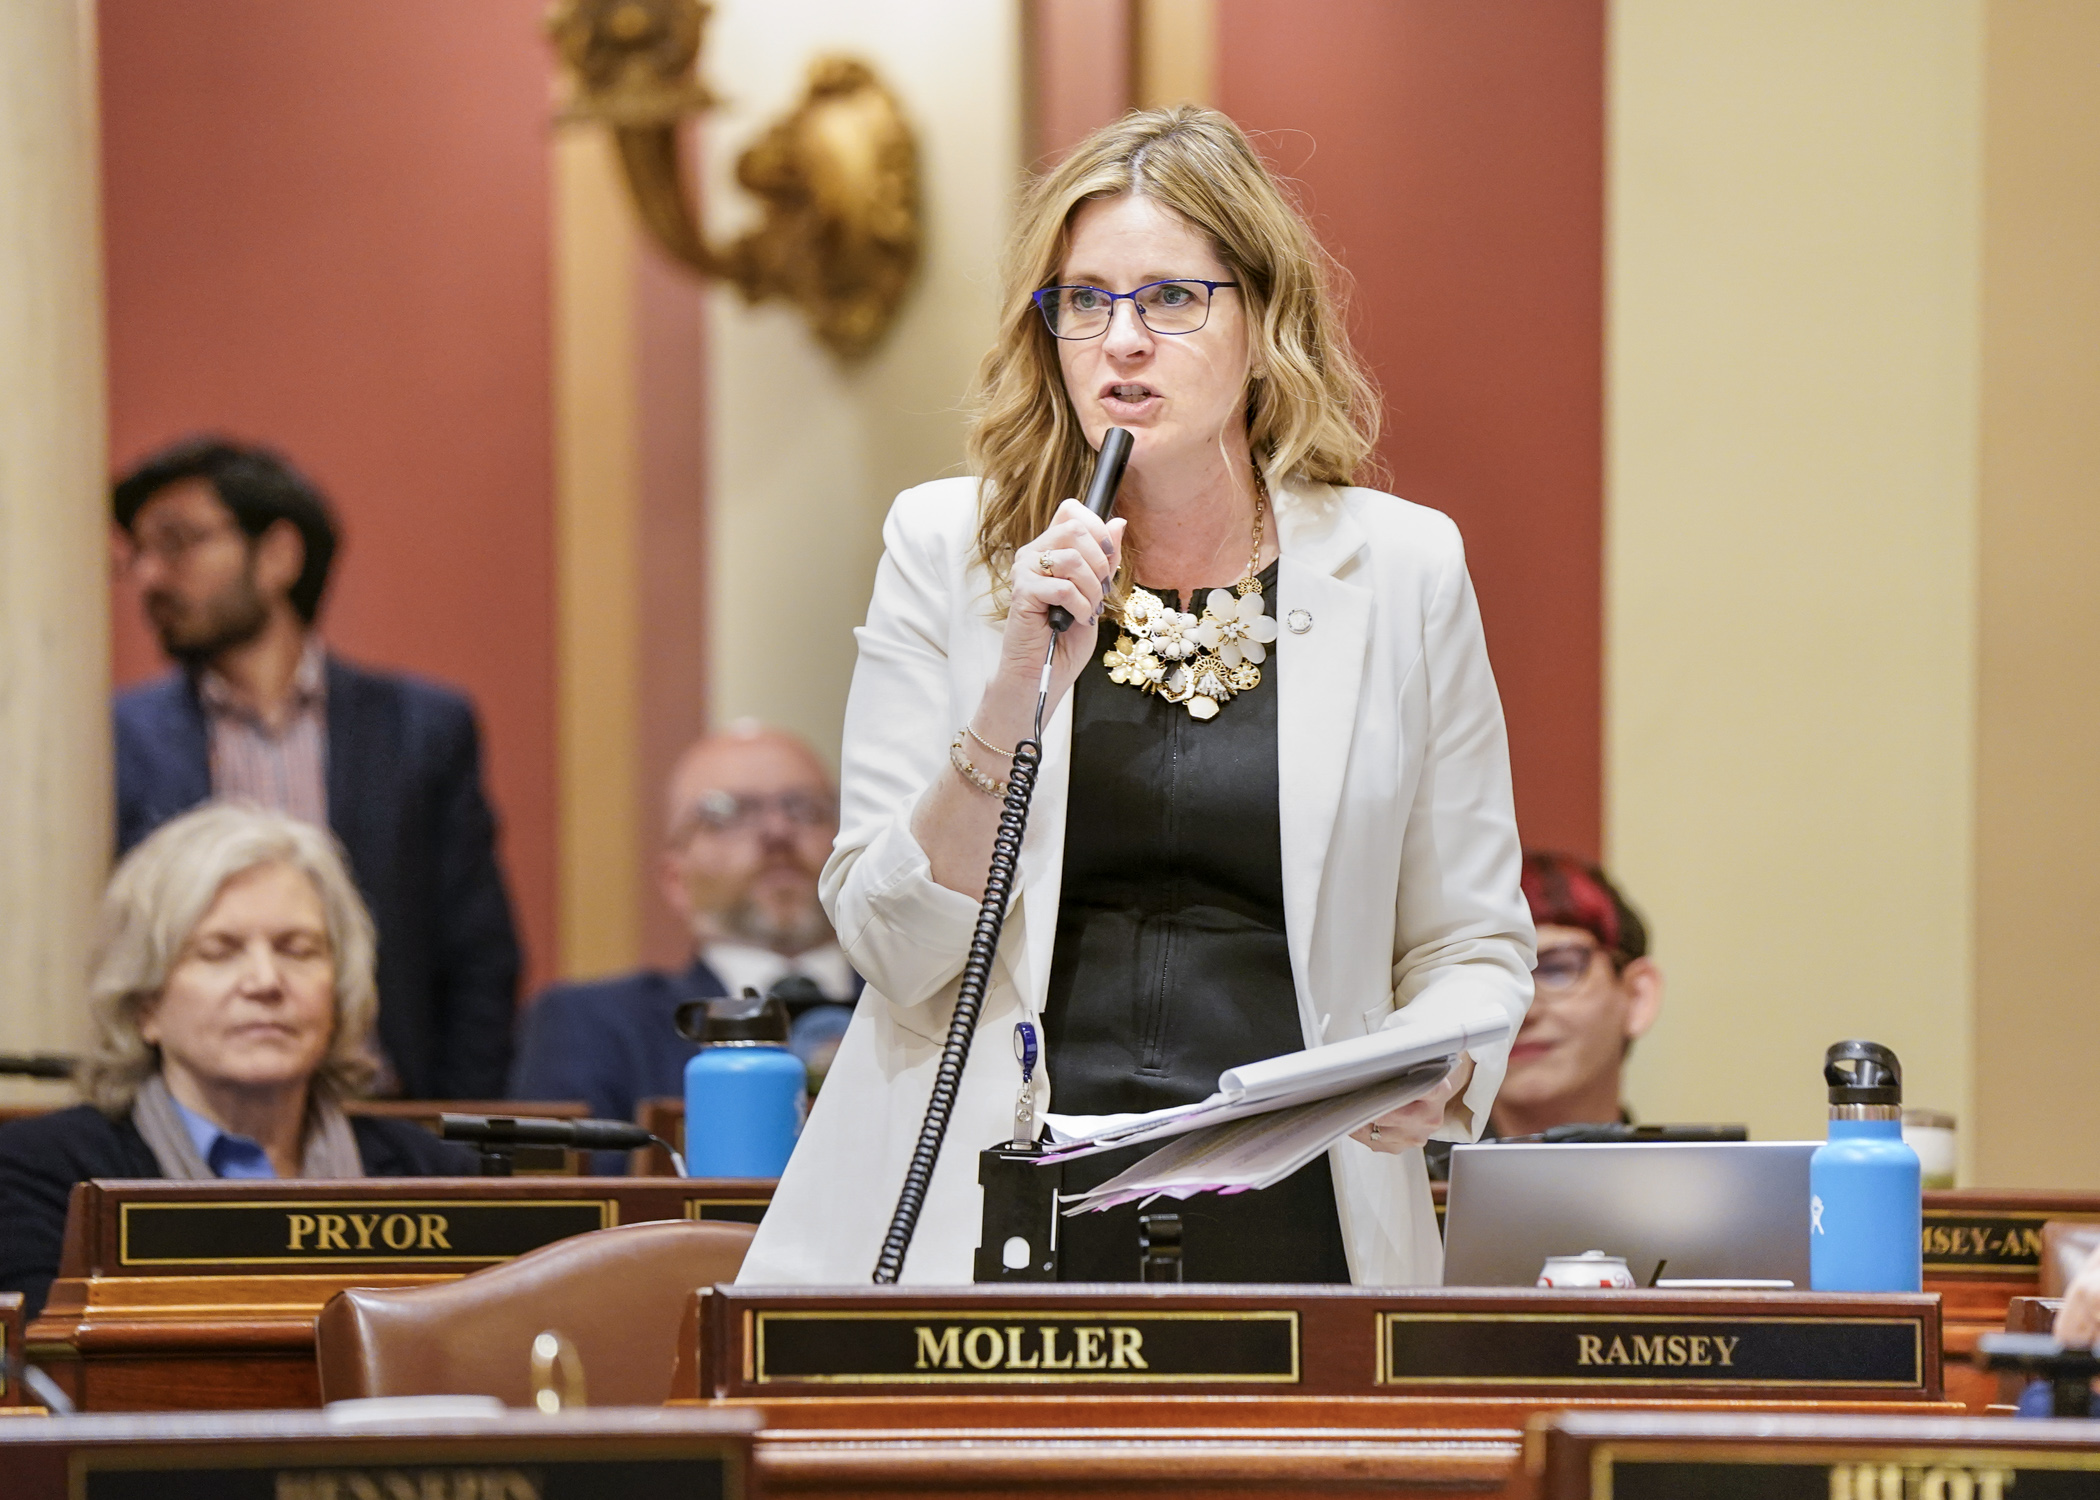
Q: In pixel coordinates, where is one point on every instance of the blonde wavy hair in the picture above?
(1312, 412)
(156, 898)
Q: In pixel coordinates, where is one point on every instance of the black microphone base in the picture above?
(1018, 1241)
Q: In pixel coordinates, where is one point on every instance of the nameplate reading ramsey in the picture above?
(1549, 1349)
(1107, 1345)
(475, 1479)
(1788, 1473)
(352, 1232)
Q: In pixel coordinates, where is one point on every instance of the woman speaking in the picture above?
(1274, 805)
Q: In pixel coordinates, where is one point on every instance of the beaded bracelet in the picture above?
(996, 790)
(973, 734)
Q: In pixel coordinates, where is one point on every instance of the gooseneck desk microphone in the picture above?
(991, 915)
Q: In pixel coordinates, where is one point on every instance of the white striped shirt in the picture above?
(285, 768)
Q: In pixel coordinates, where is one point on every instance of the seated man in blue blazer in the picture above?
(751, 816)
(230, 548)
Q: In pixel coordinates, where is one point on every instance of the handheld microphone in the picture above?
(574, 1135)
(1100, 496)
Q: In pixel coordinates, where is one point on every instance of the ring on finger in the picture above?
(1044, 565)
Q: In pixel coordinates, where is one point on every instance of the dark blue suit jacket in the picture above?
(405, 798)
(611, 1043)
(614, 1043)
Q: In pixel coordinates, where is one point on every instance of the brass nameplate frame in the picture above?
(1543, 1349)
(1843, 1471)
(425, 1468)
(1990, 1242)
(1023, 1346)
(357, 1231)
(737, 1210)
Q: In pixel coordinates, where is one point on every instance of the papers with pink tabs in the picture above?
(1270, 1118)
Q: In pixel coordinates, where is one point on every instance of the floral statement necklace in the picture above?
(1197, 662)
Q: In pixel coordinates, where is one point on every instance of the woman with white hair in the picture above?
(231, 998)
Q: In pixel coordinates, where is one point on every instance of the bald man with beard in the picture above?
(749, 821)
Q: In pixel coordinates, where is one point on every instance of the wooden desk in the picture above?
(605, 1454)
(1982, 1249)
(10, 1346)
(1360, 1413)
(1646, 1456)
(2032, 1314)
(768, 1343)
(202, 1295)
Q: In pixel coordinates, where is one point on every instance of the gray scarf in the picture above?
(331, 1148)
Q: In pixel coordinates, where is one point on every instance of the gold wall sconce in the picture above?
(837, 177)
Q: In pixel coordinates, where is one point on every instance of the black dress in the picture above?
(1171, 963)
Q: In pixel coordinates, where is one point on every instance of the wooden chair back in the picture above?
(617, 1295)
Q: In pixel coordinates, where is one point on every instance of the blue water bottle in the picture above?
(744, 1091)
(1865, 1208)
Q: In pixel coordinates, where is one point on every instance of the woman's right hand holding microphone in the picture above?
(1071, 565)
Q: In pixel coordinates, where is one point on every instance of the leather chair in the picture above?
(618, 1296)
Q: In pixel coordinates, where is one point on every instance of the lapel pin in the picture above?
(1300, 621)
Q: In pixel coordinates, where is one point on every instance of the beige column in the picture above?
(54, 581)
(804, 454)
(597, 558)
(1791, 539)
(2037, 1114)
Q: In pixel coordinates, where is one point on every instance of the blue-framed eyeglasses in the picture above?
(1084, 312)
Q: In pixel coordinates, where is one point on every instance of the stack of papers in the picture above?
(1270, 1118)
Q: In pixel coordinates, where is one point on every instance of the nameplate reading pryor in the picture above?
(1547, 1349)
(997, 1347)
(337, 1233)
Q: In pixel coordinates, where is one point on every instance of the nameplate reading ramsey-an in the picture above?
(1547, 1349)
(282, 1233)
(2007, 1244)
(1113, 1346)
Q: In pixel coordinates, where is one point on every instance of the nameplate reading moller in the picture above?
(332, 1233)
(998, 1347)
(1549, 1349)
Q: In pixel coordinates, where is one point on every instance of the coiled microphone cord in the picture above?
(969, 1000)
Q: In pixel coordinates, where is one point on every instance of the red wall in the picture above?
(1451, 153)
(327, 229)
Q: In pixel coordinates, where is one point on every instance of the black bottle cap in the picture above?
(749, 1017)
(1863, 1073)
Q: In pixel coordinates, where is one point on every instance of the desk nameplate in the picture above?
(1986, 1242)
(1610, 1350)
(738, 1210)
(336, 1232)
(1753, 1471)
(480, 1468)
(1021, 1347)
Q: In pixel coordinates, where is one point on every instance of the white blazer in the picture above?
(1400, 870)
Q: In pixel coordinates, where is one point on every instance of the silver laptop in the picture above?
(1725, 1210)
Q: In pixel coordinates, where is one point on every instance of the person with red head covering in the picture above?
(1595, 991)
